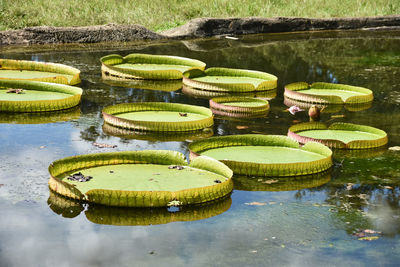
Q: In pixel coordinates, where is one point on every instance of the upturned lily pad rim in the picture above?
(295, 130)
(40, 105)
(11, 64)
(140, 198)
(266, 169)
(206, 94)
(109, 69)
(110, 112)
(270, 82)
(219, 103)
(327, 107)
(296, 91)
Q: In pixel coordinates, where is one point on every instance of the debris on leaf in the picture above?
(256, 203)
(349, 186)
(182, 114)
(217, 181)
(174, 203)
(15, 90)
(388, 187)
(394, 148)
(241, 127)
(177, 167)
(102, 145)
(79, 177)
(270, 181)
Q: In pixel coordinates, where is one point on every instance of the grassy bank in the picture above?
(159, 15)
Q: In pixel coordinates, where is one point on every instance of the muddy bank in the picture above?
(196, 28)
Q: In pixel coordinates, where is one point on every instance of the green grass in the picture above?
(159, 15)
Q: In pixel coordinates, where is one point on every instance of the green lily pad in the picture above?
(140, 179)
(156, 136)
(265, 155)
(143, 66)
(327, 108)
(38, 71)
(107, 215)
(328, 93)
(230, 80)
(199, 93)
(33, 96)
(339, 135)
(239, 106)
(158, 116)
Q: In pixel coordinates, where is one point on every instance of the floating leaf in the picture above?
(144, 66)
(158, 116)
(239, 106)
(339, 135)
(38, 71)
(230, 80)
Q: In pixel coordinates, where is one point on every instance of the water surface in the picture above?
(301, 227)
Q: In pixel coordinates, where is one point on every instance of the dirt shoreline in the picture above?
(196, 28)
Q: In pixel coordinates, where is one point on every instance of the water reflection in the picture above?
(40, 117)
(198, 93)
(165, 86)
(99, 214)
(249, 183)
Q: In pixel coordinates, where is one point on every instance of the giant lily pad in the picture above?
(32, 96)
(38, 71)
(107, 215)
(265, 155)
(328, 93)
(158, 116)
(230, 80)
(327, 108)
(199, 93)
(156, 136)
(255, 183)
(239, 106)
(140, 179)
(339, 135)
(143, 66)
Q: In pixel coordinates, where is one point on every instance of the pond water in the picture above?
(287, 224)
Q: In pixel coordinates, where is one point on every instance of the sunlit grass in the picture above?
(159, 15)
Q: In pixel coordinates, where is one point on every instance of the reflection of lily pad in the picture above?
(199, 93)
(230, 80)
(157, 136)
(143, 66)
(239, 106)
(166, 86)
(40, 117)
(38, 71)
(280, 184)
(158, 116)
(151, 178)
(328, 93)
(327, 108)
(37, 96)
(265, 155)
(100, 214)
(359, 153)
(339, 135)
(63, 206)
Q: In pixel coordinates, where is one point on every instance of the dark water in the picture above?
(298, 226)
